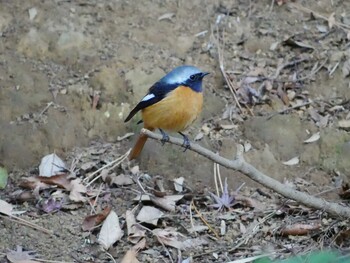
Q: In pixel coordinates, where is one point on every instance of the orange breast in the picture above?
(175, 112)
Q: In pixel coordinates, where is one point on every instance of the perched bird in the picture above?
(171, 104)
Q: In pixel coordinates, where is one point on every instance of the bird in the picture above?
(172, 104)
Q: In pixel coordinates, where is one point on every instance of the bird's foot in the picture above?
(165, 137)
(186, 144)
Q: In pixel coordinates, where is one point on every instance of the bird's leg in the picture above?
(186, 143)
(165, 137)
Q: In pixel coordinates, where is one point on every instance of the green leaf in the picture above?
(263, 260)
(3, 177)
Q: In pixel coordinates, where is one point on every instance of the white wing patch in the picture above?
(148, 97)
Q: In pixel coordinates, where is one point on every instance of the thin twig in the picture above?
(223, 71)
(318, 15)
(313, 72)
(46, 108)
(239, 164)
(205, 221)
(297, 106)
(288, 64)
(216, 181)
(219, 177)
(116, 162)
(26, 223)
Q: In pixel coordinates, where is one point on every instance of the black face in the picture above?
(198, 76)
(195, 81)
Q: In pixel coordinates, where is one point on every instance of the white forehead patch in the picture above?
(148, 97)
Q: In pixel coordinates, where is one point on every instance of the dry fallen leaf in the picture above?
(5, 208)
(292, 161)
(299, 229)
(20, 256)
(346, 68)
(169, 237)
(93, 220)
(122, 180)
(314, 138)
(134, 232)
(135, 170)
(178, 184)
(167, 202)
(343, 237)
(130, 256)
(331, 20)
(283, 96)
(76, 190)
(51, 165)
(150, 215)
(60, 180)
(345, 124)
(194, 242)
(33, 183)
(110, 231)
(345, 191)
(249, 202)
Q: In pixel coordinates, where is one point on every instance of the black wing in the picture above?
(159, 90)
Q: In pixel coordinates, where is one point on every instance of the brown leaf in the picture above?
(299, 229)
(168, 237)
(249, 202)
(342, 237)
(345, 191)
(60, 180)
(33, 183)
(130, 257)
(93, 220)
(283, 96)
(294, 43)
(76, 189)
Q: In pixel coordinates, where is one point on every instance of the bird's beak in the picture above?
(204, 74)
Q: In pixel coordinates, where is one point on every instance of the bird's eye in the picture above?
(193, 77)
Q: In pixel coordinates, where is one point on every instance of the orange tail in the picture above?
(138, 146)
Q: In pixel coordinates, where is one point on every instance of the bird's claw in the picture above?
(186, 144)
(165, 137)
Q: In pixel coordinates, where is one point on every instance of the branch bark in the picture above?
(239, 164)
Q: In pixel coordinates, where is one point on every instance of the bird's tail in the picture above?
(136, 150)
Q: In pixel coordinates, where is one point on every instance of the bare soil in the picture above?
(70, 71)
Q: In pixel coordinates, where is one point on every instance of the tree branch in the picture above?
(239, 164)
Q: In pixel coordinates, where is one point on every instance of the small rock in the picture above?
(32, 13)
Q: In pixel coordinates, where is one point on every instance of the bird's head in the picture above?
(187, 76)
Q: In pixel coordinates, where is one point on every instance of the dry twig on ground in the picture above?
(239, 164)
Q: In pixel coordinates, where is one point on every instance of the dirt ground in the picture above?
(70, 71)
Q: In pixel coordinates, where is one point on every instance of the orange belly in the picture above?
(175, 112)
